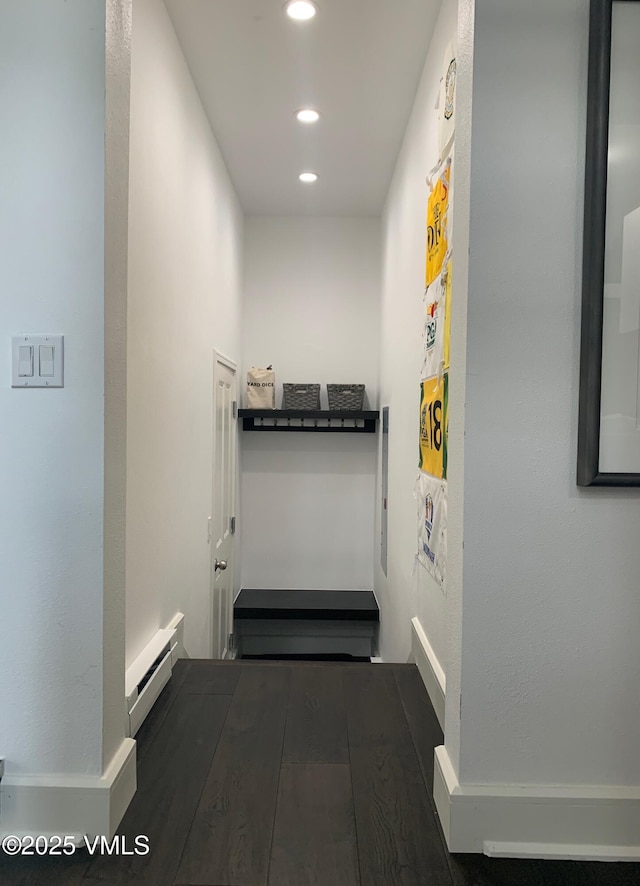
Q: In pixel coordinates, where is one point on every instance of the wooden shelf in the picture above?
(359, 422)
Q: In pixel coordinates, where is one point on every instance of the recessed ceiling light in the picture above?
(301, 10)
(307, 115)
(308, 177)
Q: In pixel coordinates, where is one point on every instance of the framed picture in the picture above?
(609, 409)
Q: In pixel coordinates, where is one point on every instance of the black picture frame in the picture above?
(595, 203)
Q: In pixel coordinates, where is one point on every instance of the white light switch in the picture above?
(37, 361)
(25, 361)
(46, 361)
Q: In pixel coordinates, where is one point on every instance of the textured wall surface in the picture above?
(550, 656)
(52, 75)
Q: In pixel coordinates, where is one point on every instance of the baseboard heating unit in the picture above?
(150, 672)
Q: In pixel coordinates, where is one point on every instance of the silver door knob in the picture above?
(220, 564)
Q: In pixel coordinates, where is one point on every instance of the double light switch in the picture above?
(38, 361)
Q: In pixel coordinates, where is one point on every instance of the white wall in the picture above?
(408, 590)
(311, 308)
(116, 248)
(550, 653)
(184, 300)
(52, 83)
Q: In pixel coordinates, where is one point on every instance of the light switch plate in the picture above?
(45, 371)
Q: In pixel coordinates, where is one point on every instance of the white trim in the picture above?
(214, 610)
(561, 851)
(222, 358)
(584, 822)
(121, 777)
(73, 805)
(430, 669)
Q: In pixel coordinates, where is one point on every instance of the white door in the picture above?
(223, 504)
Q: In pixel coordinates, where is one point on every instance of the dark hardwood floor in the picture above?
(288, 774)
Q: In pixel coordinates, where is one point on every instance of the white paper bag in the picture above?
(261, 388)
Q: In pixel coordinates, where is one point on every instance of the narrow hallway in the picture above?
(277, 774)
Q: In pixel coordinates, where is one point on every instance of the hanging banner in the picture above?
(431, 496)
(437, 211)
(432, 333)
(436, 332)
(434, 397)
(446, 289)
(447, 102)
(431, 485)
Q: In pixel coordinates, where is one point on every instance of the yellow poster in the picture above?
(437, 209)
(446, 285)
(434, 395)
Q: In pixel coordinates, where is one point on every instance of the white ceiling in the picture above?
(358, 62)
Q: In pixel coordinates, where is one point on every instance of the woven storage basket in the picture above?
(346, 397)
(300, 396)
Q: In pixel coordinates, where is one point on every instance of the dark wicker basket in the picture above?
(346, 397)
(300, 396)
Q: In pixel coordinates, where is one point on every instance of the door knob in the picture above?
(220, 564)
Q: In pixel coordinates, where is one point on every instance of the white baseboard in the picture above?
(121, 776)
(70, 805)
(569, 822)
(430, 669)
